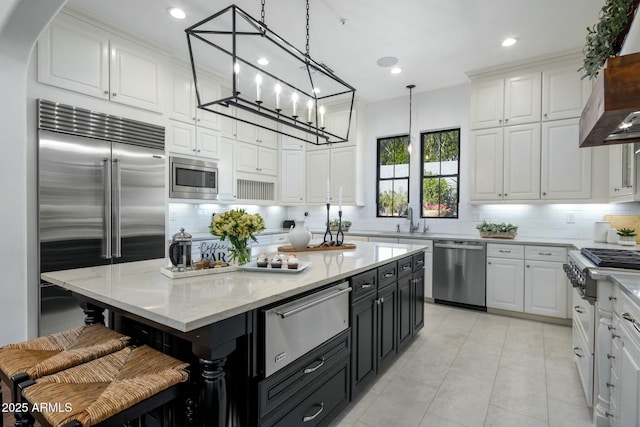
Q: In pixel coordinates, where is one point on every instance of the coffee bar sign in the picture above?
(215, 250)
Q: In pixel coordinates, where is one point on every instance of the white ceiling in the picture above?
(436, 41)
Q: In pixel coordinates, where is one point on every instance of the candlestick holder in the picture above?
(340, 233)
(328, 237)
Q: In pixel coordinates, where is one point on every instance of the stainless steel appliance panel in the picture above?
(193, 179)
(295, 328)
(138, 196)
(73, 187)
(459, 273)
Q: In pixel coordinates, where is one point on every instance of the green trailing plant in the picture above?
(626, 232)
(603, 38)
(491, 227)
(345, 223)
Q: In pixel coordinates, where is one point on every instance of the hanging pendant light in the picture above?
(280, 87)
(409, 145)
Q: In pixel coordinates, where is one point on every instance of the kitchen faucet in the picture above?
(412, 228)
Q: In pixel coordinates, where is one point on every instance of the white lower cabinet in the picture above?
(505, 283)
(527, 279)
(545, 289)
(624, 385)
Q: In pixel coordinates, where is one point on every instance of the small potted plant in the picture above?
(503, 231)
(626, 236)
(345, 224)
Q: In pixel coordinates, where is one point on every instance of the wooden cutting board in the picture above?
(625, 221)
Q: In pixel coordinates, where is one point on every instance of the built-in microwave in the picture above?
(192, 179)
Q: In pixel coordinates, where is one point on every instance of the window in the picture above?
(393, 176)
(440, 173)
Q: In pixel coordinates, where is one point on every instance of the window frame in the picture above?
(378, 179)
(423, 135)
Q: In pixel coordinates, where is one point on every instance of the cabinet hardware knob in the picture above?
(545, 253)
(609, 414)
(505, 194)
(578, 309)
(614, 336)
(575, 351)
(499, 120)
(544, 194)
(506, 120)
(382, 300)
(499, 194)
(489, 262)
(198, 150)
(546, 115)
(528, 266)
(610, 385)
(367, 285)
(312, 417)
(106, 92)
(315, 368)
(612, 298)
(610, 356)
(388, 275)
(611, 328)
(193, 118)
(113, 94)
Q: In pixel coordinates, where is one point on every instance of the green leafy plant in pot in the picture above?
(502, 230)
(334, 224)
(626, 236)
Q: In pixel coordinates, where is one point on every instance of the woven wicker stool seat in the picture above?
(92, 393)
(50, 354)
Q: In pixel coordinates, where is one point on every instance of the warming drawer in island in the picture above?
(296, 327)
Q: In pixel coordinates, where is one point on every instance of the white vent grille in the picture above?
(256, 190)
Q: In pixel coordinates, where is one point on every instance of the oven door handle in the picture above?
(285, 314)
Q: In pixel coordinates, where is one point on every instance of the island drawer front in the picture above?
(501, 250)
(418, 261)
(285, 385)
(364, 284)
(546, 253)
(329, 396)
(387, 274)
(405, 266)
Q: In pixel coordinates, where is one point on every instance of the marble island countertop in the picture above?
(189, 303)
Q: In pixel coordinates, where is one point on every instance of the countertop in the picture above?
(190, 303)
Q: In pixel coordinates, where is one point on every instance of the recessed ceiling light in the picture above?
(177, 13)
(510, 41)
(387, 61)
(263, 61)
(316, 90)
(396, 70)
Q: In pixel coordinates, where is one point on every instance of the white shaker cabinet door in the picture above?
(522, 99)
(545, 289)
(487, 103)
(74, 55)
(505, 284)
(136, 76)
(292, 178)
(487, 164)
(564, 92)
(565, 167)
(522, 162)
(227, 170)
(317, 168)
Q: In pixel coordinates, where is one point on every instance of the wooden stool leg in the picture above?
(93, 313)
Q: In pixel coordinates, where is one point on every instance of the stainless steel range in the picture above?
(592, 318)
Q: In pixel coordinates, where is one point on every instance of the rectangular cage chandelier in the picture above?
(271, 83)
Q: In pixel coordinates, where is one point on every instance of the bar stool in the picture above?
(50, 354)
(110, 391)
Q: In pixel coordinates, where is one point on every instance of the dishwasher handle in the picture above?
(285, 314)
(458, 246)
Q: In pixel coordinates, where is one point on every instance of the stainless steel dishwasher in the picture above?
(459, 273)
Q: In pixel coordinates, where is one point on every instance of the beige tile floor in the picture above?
(470, 368)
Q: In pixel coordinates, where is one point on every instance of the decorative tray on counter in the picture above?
(194, 273)
(499, 235)
(318, 247)
(253, 266)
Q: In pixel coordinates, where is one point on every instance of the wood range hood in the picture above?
(612, 113)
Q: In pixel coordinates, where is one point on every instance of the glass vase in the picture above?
(239, 251)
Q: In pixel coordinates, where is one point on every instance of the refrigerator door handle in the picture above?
(117, 192)
(106, 187)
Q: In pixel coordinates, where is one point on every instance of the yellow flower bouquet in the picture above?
(238, 226)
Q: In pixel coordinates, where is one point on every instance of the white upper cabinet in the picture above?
(253, 134)
(506, 163)
(183, 98)
(78, 56)
(505, 101)
(564, 92)
(185, 138)
(522, 99)
(565, 167)
(621, 172)
(292, 178)
(74, 55)
(522, 162)
(256, 159)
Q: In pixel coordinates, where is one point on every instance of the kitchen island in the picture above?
(216, 321)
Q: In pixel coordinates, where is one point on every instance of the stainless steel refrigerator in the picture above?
(101, 198)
